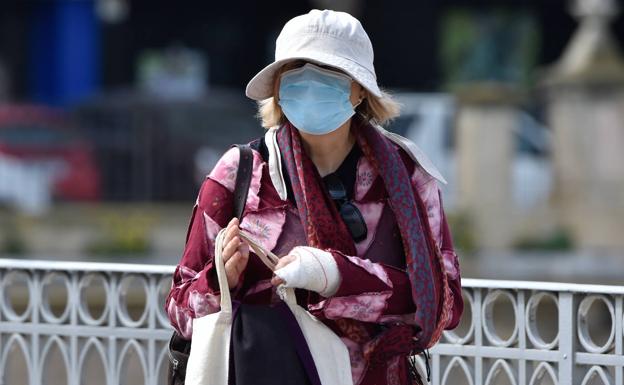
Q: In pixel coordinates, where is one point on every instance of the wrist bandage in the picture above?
(313, 269)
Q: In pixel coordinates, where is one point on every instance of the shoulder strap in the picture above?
(179, 347)
(243, 179)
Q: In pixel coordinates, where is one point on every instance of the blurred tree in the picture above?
(499, 45)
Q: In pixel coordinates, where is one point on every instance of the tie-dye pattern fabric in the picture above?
(426, 276)
(325, 230)
(371, 212)
(370, 276)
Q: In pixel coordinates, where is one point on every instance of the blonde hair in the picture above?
(380, 109)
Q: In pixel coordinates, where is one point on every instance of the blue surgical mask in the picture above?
(316, 101)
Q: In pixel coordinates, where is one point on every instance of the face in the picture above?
(357, 91)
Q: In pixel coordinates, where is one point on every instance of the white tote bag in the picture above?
(208, 362)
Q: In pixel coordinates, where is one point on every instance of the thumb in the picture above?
(291, 273)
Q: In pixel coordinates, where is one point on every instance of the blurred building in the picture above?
(155, 93)
(98, 42)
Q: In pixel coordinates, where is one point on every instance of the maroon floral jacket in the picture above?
(374, 289)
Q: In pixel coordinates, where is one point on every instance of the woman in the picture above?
(354, 210)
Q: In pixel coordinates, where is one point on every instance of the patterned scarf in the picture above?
(325, 229)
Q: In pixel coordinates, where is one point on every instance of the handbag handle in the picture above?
(268, 258)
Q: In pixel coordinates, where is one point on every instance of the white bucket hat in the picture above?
(330, 38)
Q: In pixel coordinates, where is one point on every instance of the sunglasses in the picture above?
(350, 214)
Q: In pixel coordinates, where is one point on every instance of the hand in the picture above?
(235, 253)
(275, 281)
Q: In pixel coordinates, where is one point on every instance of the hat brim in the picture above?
(261, 86)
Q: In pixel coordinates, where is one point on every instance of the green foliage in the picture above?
(122, 235)
(493, 45)
(12, 241)
(559, 240)
(462, 230)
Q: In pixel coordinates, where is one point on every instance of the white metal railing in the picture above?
(105, 325)
(100, 323)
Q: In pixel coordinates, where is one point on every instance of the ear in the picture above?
(363, 93)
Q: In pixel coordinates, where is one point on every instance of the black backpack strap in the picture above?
(243, 179)
(179, 347)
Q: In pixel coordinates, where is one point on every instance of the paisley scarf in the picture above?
(325, 229)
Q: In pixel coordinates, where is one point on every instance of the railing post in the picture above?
(113, 370)
(2, 371)
(37, 369)
(520, 311)
(619, 349)
(476, 313)
(73, 301)
(151, 305)
(567, 338)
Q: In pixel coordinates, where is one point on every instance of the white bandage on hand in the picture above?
(313, 269)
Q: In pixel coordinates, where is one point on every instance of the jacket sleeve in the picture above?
(195, 287)
(451, 266)
(375, 292)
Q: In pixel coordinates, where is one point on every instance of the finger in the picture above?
(232, 263)
(230, 248)
(244, 250)
(242, 257)
(244, 247)
(226, 238)
(231, 232)
(233, 222)
(285, 261)
(238, 261)
(276, 281)
(233, 268)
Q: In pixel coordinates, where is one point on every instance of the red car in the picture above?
(46, 137)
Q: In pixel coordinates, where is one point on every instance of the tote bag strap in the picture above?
(226, 300)
(270, 260)
(267, 257)
(179, 347)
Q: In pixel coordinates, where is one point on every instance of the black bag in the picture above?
(179, 348)
(271, 347)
